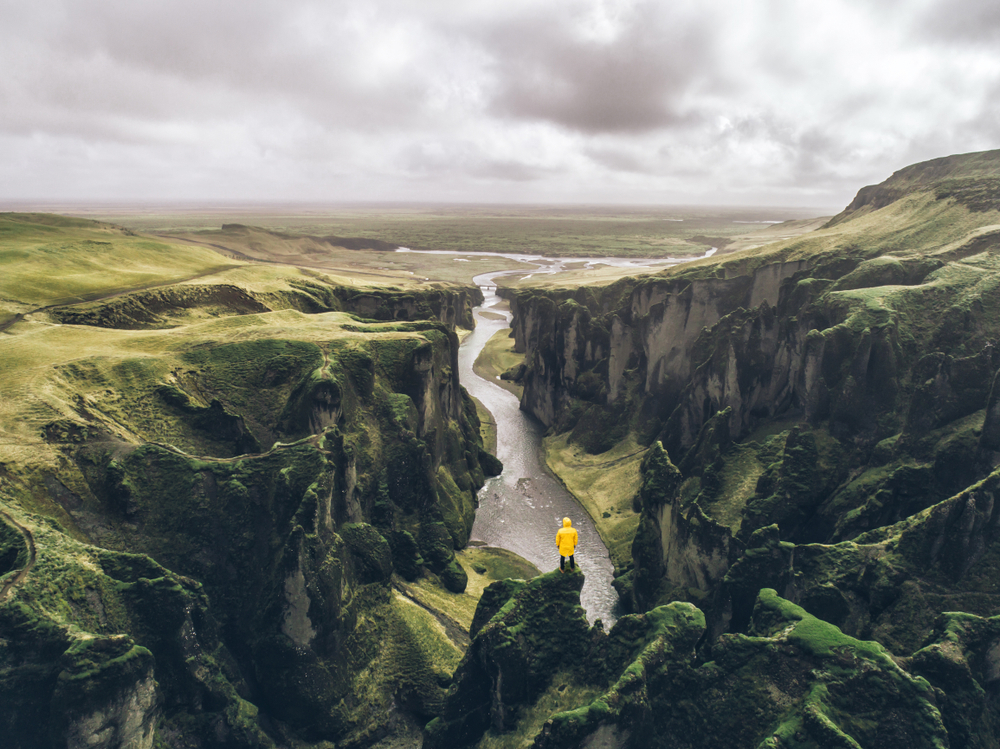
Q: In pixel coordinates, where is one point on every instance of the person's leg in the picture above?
(572, 561)
(562, 563)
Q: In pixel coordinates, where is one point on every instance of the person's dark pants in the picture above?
(572, 561)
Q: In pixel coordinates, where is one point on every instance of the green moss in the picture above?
(370, 550)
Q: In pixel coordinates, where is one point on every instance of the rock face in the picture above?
(451, 305)
(538, 630)
(821, 420)
(281, 484)
(793, 680)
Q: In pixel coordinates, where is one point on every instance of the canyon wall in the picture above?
(208, 557)
(827, 386)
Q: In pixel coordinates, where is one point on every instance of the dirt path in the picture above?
(455, 631)
(29, 539)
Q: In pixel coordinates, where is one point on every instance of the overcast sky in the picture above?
(769, 102)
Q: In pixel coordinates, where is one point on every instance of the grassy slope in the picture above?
(50, 260)
(496, 358)
(51, 371)
(484, 565)
(604, 484)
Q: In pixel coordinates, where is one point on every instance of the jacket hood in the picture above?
(566, 523)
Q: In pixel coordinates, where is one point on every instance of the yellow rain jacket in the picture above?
(566, 538)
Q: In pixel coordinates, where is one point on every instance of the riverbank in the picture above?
(496, 358)
(604, 485)
(521, 509)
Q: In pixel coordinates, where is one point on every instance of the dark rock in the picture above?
(540, 629)
(371, 552)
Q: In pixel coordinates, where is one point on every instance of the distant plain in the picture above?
(563, 231)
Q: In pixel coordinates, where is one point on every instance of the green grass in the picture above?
(430, 636)
(112, 377)
(604, 484)
(48, 260)
(738, 480)
(588, 231)
(496, 564)
(487, 426)
(496, 358)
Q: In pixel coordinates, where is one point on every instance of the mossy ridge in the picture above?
(888, 584)
(299, 470)
(793, 681)
(513, 657)
(81, 639)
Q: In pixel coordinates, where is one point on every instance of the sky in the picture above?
(739, 102)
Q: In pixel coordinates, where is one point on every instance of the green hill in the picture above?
(216, 480)
(46, 260)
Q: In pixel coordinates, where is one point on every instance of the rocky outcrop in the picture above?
(890, 584)
(648, 345)
(513, 656)
(821, 419)
(676, 546)
(90, 684)
(451, 306)
(794, 680)
(791, 679)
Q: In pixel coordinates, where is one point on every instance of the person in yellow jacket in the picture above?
(566, 541)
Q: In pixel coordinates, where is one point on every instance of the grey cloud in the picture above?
(475, 101)
(961, 21)
(191, 60)
(632, 83)
(619, 160)
(464, 158)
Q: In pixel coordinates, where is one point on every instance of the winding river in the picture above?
(522, 508)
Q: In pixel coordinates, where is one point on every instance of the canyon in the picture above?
(237, 506)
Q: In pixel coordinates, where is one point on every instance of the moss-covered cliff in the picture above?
(821, 419)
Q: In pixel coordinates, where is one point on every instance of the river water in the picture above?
(522, 508)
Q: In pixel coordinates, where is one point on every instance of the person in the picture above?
(566, 542)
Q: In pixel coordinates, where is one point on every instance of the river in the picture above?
(522, 508)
